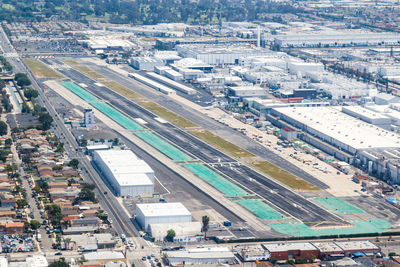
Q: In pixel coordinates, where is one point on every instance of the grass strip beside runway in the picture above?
(167, 114)
(222, 144)
(283, 176)
(41, 70)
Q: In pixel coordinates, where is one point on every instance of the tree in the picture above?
(34, 224)
(21, 203)
(8, 142)
(25, 108)
(101, 215)
(170, 235)
(30, 93)
(54, 214)
(22, 79)
(67, 241)
(46, 120)
(205, 223)
(3, 128)
(74, 163)
(60, 263)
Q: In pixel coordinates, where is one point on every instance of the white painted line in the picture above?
(140, 120)
(160, 120)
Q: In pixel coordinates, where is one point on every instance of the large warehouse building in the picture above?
(162, 213)
(347, 138)
(128, 175)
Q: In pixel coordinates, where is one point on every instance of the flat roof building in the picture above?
(350, 247)
(128, 175)
(285, 251)
(200, 256)
(162, 213)
(338, 129)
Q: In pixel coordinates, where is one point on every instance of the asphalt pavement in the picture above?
(288, 201)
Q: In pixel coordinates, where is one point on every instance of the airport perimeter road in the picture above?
(288, 201)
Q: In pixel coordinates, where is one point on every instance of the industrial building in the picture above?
(247, 91)
(215, 255)
(217, 54)
(336, 38)
(183, 230)
(171, 83)
(369, 147)
(285, 251)
(146, 63)
(153, 84)
(369, 116)
(128, 175)
(336, 128)
(253, 253)
(162, 213)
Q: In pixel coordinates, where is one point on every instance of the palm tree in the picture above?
(205, 221)
(67, 241)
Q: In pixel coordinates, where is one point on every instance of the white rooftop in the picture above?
(277, 247)
(356, 245)
(163, 209)
(104, 255)
(364, 112)
(327, 247)
(342, 127)
(126, 167)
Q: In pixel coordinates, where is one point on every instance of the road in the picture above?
(276, 194)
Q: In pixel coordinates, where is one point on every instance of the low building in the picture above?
(216, 255)
(350, 247)
(288, 133)
(162, 213)
(101, 241)
(253, 253)
(247, 91)
(288, 251)
(104, 256)
(328, 249)
(146, 63)
(182, 230)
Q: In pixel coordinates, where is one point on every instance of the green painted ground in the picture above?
(163, 146)
(219, 182)
(82, 93)
(359, 227)
(338, 205)
(261, 209)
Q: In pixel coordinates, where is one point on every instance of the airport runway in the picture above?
(210, 124)
(290, 202)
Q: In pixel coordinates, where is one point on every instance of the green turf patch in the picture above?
(163, 146)
(357, 227)
(222, 184)
(338, 205)
(79, 91)
(260, 209)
